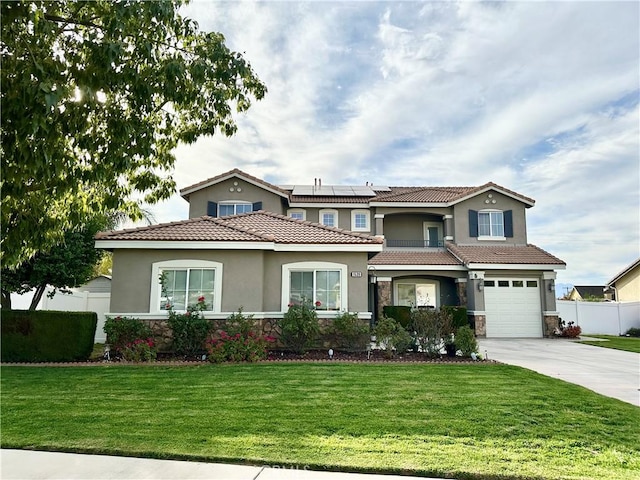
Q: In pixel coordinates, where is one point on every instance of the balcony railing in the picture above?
(415, 243)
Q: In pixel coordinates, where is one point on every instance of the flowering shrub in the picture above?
(124, 331)
(299, 326)
(139, 351)
(568, 330)
(190, 329)
(238, 348)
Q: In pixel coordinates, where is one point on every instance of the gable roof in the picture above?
(255, 228)
(237, 173)
(475, 256)
(624, 272)
(590, 290)
(443, 195)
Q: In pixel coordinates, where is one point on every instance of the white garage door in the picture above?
(512, 307)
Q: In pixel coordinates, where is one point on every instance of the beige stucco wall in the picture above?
(405, 226)
(355, 261)
(344, 216)
(628, 287)
(242, 277)
(503, 202)
(220, 192)
(251, 279)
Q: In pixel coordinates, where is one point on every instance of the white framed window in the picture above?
(490, 224)
(297, 213)
(360, 221)
(324, 284)
(185, 282)
(416, 293)
(329, 218)
(234, 208)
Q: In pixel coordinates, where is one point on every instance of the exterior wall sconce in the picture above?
(552, 286)
(481, 285)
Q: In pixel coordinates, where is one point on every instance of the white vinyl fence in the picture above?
(81, 302)
(605, 318)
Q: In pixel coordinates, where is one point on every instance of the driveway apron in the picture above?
(613, 373)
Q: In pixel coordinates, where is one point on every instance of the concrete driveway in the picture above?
(613, 373)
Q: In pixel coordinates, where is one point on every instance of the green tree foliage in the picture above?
(67, 265)
(95, 96)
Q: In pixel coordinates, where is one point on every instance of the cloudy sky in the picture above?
(541, 98)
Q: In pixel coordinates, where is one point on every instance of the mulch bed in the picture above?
(319, 356)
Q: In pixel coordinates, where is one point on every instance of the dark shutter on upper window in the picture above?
(257, 206)
(212, 209)
(508, 223)
(473, 223)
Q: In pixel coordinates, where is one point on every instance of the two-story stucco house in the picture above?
(259, 246)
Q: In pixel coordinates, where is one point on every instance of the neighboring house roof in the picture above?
(623, 273)
(185, 192)
(439, 258)
(590, 290)
(472, 255)
(252, 227)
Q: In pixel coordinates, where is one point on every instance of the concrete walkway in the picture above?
(613, 373)
(32, 465)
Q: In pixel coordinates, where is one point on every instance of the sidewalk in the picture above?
(33, 465)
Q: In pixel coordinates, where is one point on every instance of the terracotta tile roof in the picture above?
(422, 194)
(236, 171)
(503, 254)
(414, 258)
(288, 230)
(194, 229)
(441, 194)
(255, 227)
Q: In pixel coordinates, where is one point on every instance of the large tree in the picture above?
(95, 96)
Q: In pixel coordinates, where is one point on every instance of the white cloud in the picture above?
(541, 97)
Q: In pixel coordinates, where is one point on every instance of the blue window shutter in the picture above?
(257, 206)
(508, 223)
(212, 209)
(473, 223)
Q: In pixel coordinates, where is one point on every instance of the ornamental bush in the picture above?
(140, 350)
(466, 341)
(392, 337)
(123, 331)
(349, 333)
(431, 329)
(238, 348)
(189, 329)
(299, 327)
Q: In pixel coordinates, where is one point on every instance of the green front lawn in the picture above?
(464, 421)
(629, 344)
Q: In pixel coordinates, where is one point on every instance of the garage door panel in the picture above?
(512, 307)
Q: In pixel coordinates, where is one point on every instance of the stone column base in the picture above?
(551, 322)
(479, 324)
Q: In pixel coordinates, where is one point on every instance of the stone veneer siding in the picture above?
(551, 322)
(480, 324)
(384, 296)
(163, 336)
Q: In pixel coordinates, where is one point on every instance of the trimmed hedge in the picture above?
(459, 315)
(47, 336)
(399, 313)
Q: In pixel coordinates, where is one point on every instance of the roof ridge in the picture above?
(235, 171)
(155, 226)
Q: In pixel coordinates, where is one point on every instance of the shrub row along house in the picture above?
(253, 245)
